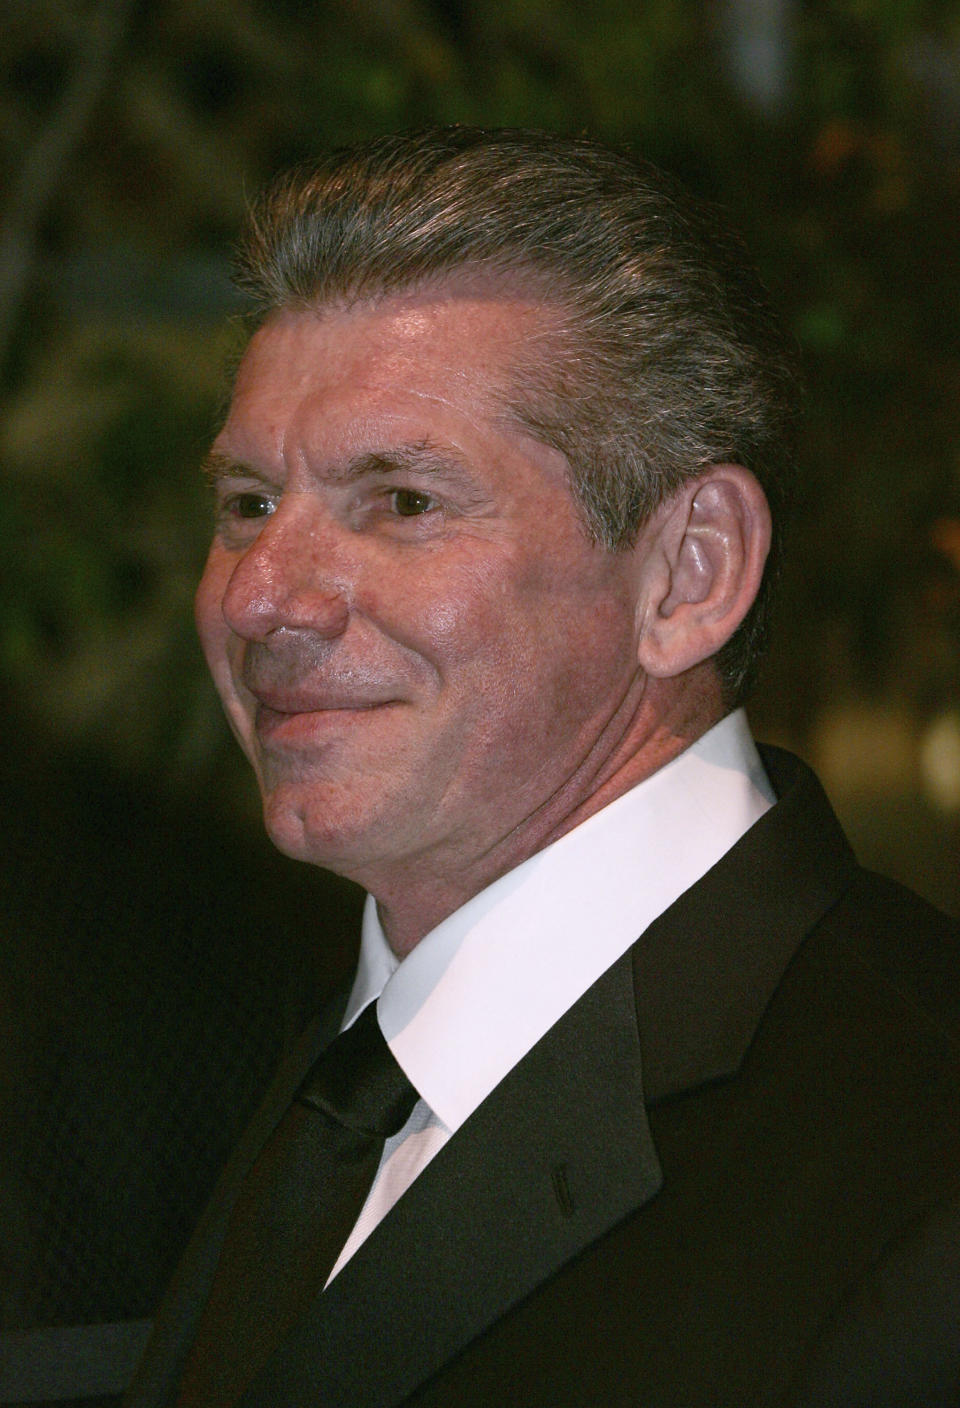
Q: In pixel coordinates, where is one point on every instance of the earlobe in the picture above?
(704, 555)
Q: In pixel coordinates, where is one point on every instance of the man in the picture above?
(505, 462)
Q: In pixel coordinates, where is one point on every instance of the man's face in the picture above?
(416, 643)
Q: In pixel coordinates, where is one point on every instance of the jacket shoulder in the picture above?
(906, 942)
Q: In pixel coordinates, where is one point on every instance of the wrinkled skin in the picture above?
(431, 667)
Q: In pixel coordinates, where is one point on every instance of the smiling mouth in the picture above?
(271, 722)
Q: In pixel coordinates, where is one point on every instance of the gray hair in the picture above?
(668, 357)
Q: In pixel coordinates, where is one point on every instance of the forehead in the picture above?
(442, 352)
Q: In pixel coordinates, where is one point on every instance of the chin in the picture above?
(325, 832)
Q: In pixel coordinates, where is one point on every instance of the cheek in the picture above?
(216, 639)
(580, 661)
(207, 604)
(451, 626)
(450, 618)
(515, 630)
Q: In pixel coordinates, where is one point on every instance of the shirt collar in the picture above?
(479, 991)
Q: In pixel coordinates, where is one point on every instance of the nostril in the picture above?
(257, 604)
(252, 598)
(289, 576)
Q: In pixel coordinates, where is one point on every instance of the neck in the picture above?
(672, 715)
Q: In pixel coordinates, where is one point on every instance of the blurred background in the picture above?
(156, 954)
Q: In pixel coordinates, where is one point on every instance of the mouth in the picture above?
(310, 721)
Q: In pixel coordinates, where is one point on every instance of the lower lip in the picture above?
(273, 726)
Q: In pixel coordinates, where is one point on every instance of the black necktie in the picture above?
(296, 1209)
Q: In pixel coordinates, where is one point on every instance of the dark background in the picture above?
(155, 952)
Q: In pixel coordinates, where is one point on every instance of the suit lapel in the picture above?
(157, 1377)
(558, 1154)
(561, 1152)
(706, 969)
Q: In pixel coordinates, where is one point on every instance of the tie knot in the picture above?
(358, 1082)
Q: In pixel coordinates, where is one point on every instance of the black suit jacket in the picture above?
(728, 1175)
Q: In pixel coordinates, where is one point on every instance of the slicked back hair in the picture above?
(666, 357)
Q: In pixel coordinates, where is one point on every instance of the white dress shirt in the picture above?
(481, 989)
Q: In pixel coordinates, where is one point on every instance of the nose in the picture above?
(288, 578)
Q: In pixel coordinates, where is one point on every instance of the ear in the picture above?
(703, 554)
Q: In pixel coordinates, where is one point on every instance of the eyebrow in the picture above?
(419, 457)
(215, 468)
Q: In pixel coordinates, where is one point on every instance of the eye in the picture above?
(410, 503)
(250, 505)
